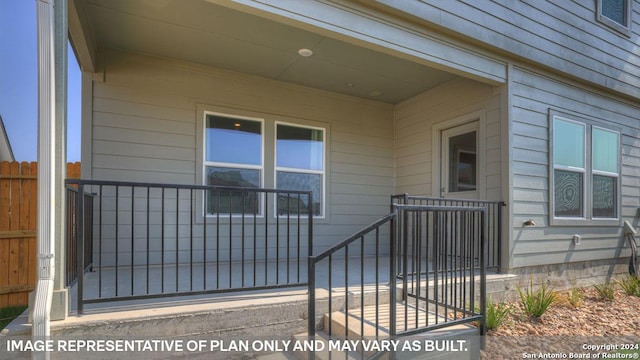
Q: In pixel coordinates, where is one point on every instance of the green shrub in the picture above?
(495, 314)
(606, 291)
(631, 285)
(536, 302)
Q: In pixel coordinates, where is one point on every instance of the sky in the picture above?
(19, 83)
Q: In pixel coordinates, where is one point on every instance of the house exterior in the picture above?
(534, 104)
(6, 153)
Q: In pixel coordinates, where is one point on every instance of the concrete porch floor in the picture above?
(177, 281)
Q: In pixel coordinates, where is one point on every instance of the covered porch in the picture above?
(158, 75)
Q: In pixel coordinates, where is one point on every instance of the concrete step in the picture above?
(362, 322)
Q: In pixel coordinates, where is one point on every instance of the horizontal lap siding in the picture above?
(144, 129)
(414, 134)
(533, 95)
(562, 35)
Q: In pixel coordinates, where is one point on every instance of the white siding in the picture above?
(414, 134)
(533, 96)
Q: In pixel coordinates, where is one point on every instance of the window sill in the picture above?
(585, 222)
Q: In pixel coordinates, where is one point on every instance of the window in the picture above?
(615, 14)
(585, 172)
(233, 157)
(252, 150)
(300, 166)
(605, 173)
(569, 168)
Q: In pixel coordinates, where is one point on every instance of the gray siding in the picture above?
(144, 129)
(561, 35)
(533, 95)
(414, 134)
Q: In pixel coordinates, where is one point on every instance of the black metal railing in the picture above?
(434, 280)
(347, 270)
(494, 221)
(71, 244)
(159, 240)
(441, 266)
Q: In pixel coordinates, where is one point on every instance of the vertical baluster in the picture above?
(299, 257)
(242, 240)
(191, 239)
(133, 192)
(117, 238)
(148, 236)
(288, 235)
(255, 235)
(100, 244)
(177, 238)
(277, 238)
(405, 266)
(162, 241)
(346, 292)
(417, 222)
(393, 247)
(362, 287)
(437, 230)
(266, 238)
(377, 266)
(218, 199)
(330, 276)
(230, 260)
(427, 234)
(204, 237)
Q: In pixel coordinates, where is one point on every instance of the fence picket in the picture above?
(33, 223)
(5, 197)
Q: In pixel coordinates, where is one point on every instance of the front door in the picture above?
(459, 154)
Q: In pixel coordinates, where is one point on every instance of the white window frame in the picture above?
(587, 218)
(206, 163)
(625, 29)
(322, 172)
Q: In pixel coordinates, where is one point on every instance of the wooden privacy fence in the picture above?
(18, 225)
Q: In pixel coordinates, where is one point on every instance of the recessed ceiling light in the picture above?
(305, 52)
(375, 93)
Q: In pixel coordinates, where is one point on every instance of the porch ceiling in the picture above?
(209, 34)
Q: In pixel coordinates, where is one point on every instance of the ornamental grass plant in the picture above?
(606, 291)
(630, 285)
(536, 302)
(495, 314)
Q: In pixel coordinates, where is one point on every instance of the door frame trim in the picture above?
(436, 146)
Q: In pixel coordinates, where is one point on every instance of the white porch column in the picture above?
(46, 169)
(60, 301)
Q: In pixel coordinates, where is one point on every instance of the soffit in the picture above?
(209, 34)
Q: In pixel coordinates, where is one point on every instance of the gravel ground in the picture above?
(597, 329)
